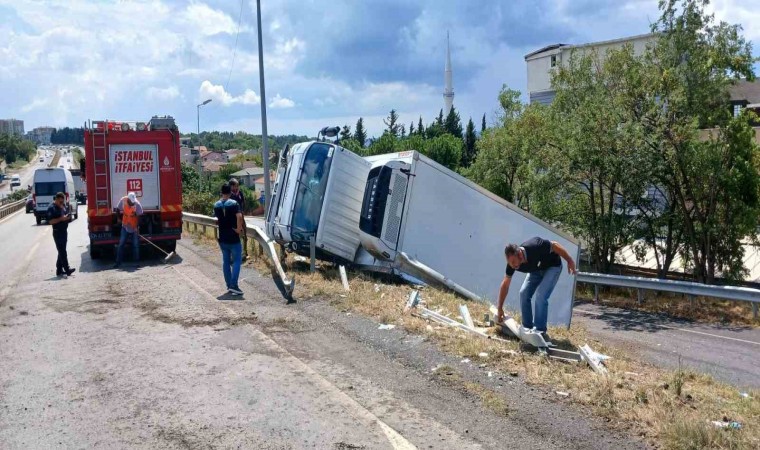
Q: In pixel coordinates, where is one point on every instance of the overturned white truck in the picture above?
(403, 213)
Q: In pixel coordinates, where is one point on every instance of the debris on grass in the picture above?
(386, 327)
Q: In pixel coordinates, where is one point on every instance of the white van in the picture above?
(15, 180)
(47, 183)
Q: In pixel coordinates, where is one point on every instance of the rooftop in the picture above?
(589, 44)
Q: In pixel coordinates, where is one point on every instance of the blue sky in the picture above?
(327, 62)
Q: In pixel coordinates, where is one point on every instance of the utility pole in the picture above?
(264, 136)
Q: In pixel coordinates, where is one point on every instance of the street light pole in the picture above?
(264, 136)
(200, 158)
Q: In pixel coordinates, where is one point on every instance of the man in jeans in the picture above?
(238, 196)
(130, 210)
(230, 221)
(540, 259)
(59, 216)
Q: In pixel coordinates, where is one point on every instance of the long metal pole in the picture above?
(200, 158)
(264, 136)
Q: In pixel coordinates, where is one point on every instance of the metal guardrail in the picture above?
(642, 284)
(688, 288)
(10, 208)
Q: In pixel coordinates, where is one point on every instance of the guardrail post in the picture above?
(754, 310)
(691, 300)
(640, 296)
(596, 293)
(312, 254)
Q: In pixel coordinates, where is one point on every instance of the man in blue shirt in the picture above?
(541, 259)
(230, 221)
(58, 216)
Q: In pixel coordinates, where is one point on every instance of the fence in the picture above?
(10, 208)
(688, 288)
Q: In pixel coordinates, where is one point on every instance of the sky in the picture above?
(327, 62)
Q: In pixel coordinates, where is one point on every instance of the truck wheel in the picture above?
(94, 253)
(39, 219)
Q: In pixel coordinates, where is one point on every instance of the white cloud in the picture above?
(208, 21)
(281, 102)
(217, 93)
(167, 93)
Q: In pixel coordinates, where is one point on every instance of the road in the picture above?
(729, 353)
(153, 357)
(27, 173)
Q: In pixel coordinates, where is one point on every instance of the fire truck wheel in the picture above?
(39, 219)
(94, 253)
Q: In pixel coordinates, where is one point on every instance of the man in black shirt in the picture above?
(540, 259)
(238, 196)
(58, 216)
(230, 221)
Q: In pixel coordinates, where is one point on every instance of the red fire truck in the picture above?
(139, 157)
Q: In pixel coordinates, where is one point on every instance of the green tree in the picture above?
(420, 127)
(445, 150)
(483, 125)
(345, 133)
(594, 148)
(360, 134)
(705, 154)
(190, 178)
(453, 123)
(391, 123)
(468, 156)
(411, 128)
(385, 144)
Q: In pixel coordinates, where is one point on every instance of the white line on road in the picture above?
(397, 441)
(593, 313)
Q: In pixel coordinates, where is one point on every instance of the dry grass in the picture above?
(671, 409)
(708, 310)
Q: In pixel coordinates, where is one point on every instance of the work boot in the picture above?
(70, 271)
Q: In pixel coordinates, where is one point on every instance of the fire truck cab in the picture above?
(140, 157)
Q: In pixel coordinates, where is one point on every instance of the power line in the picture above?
(234, 49)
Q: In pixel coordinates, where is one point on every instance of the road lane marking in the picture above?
(30, 255)
(593, 313)
(397, 441)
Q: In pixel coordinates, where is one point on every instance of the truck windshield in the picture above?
(311, 191)
(49, 188)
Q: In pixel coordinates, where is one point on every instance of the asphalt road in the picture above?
(27, 173)
(729, 353)
(154, 357)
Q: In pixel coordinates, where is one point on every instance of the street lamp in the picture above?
(200, 158)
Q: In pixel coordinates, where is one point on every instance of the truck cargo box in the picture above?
(417, 213)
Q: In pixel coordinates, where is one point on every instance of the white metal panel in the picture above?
(133, 167)
(338, 231)
(460, 230)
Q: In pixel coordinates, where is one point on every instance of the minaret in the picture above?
(448, 92)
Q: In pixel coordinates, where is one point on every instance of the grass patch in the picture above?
(671, 409)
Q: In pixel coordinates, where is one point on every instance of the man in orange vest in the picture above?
(130, 210)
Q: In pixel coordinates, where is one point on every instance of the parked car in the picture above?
(29, 204)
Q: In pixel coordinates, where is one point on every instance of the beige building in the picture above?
(541, 63)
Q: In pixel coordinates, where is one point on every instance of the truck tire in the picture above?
(39, 219)
(95, 253)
